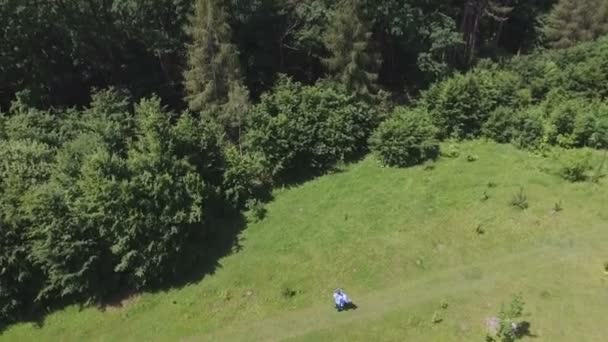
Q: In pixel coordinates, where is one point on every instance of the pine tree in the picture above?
(213, 66)
(352, 61)
(573, 21)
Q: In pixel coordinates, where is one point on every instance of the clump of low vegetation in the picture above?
(288, 292)
(485, 196)
(437, 317)
(558, 207)
(520, 200)
(575, 166)
(451, 151)
(508, 327)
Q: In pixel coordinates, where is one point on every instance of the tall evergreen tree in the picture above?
(213, 66)
(573, 21)
(352, 61)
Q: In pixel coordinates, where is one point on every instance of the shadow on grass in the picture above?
(523, 330)
(219, 237)
(348, 307)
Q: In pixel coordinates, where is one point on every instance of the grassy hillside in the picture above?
(400, 242)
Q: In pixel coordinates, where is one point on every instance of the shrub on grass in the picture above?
(578, 123)
(509, 328)
(406, 139)
(452, 151)
(485, 196)
(557, 207)
(500, 125)
(529, 129)
(522, 127)
(437, 317)
(606, 267)
(520, 200)
(287, 292)
(575, 165)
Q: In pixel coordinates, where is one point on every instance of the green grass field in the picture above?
(400, 242)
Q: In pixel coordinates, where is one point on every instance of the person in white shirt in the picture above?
(341, 299)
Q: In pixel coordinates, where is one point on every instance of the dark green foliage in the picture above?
(70, 217)
(24, 164)
(577, 71)
(406, 139)
(120, 200)
(256, 209)
(522, 127)
(530, 128)
(500, 125)
(578, 123)
(462, 104)
(297, 128)
(353, 62)
(574, 21)
(213, 81)
(244, 176)
(60, 49)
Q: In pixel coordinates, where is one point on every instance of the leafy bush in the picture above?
(462, 104)
(244, 177)
(529, 130)
(308, 128)
(509, 327)
(256, 208)
(523, 127)
(451, 151)
(575, 165)
(24, 165)
(501, 125)
(107, 198)
(406, 139)
(558, 207)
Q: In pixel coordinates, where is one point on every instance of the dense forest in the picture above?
(132, 131)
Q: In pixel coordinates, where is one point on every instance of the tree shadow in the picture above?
(220, 236)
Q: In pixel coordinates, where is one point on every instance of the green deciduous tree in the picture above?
(406, 139)
(24, 164)
(301, 129)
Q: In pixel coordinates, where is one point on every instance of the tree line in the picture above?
(60, 50)
(132, 131)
